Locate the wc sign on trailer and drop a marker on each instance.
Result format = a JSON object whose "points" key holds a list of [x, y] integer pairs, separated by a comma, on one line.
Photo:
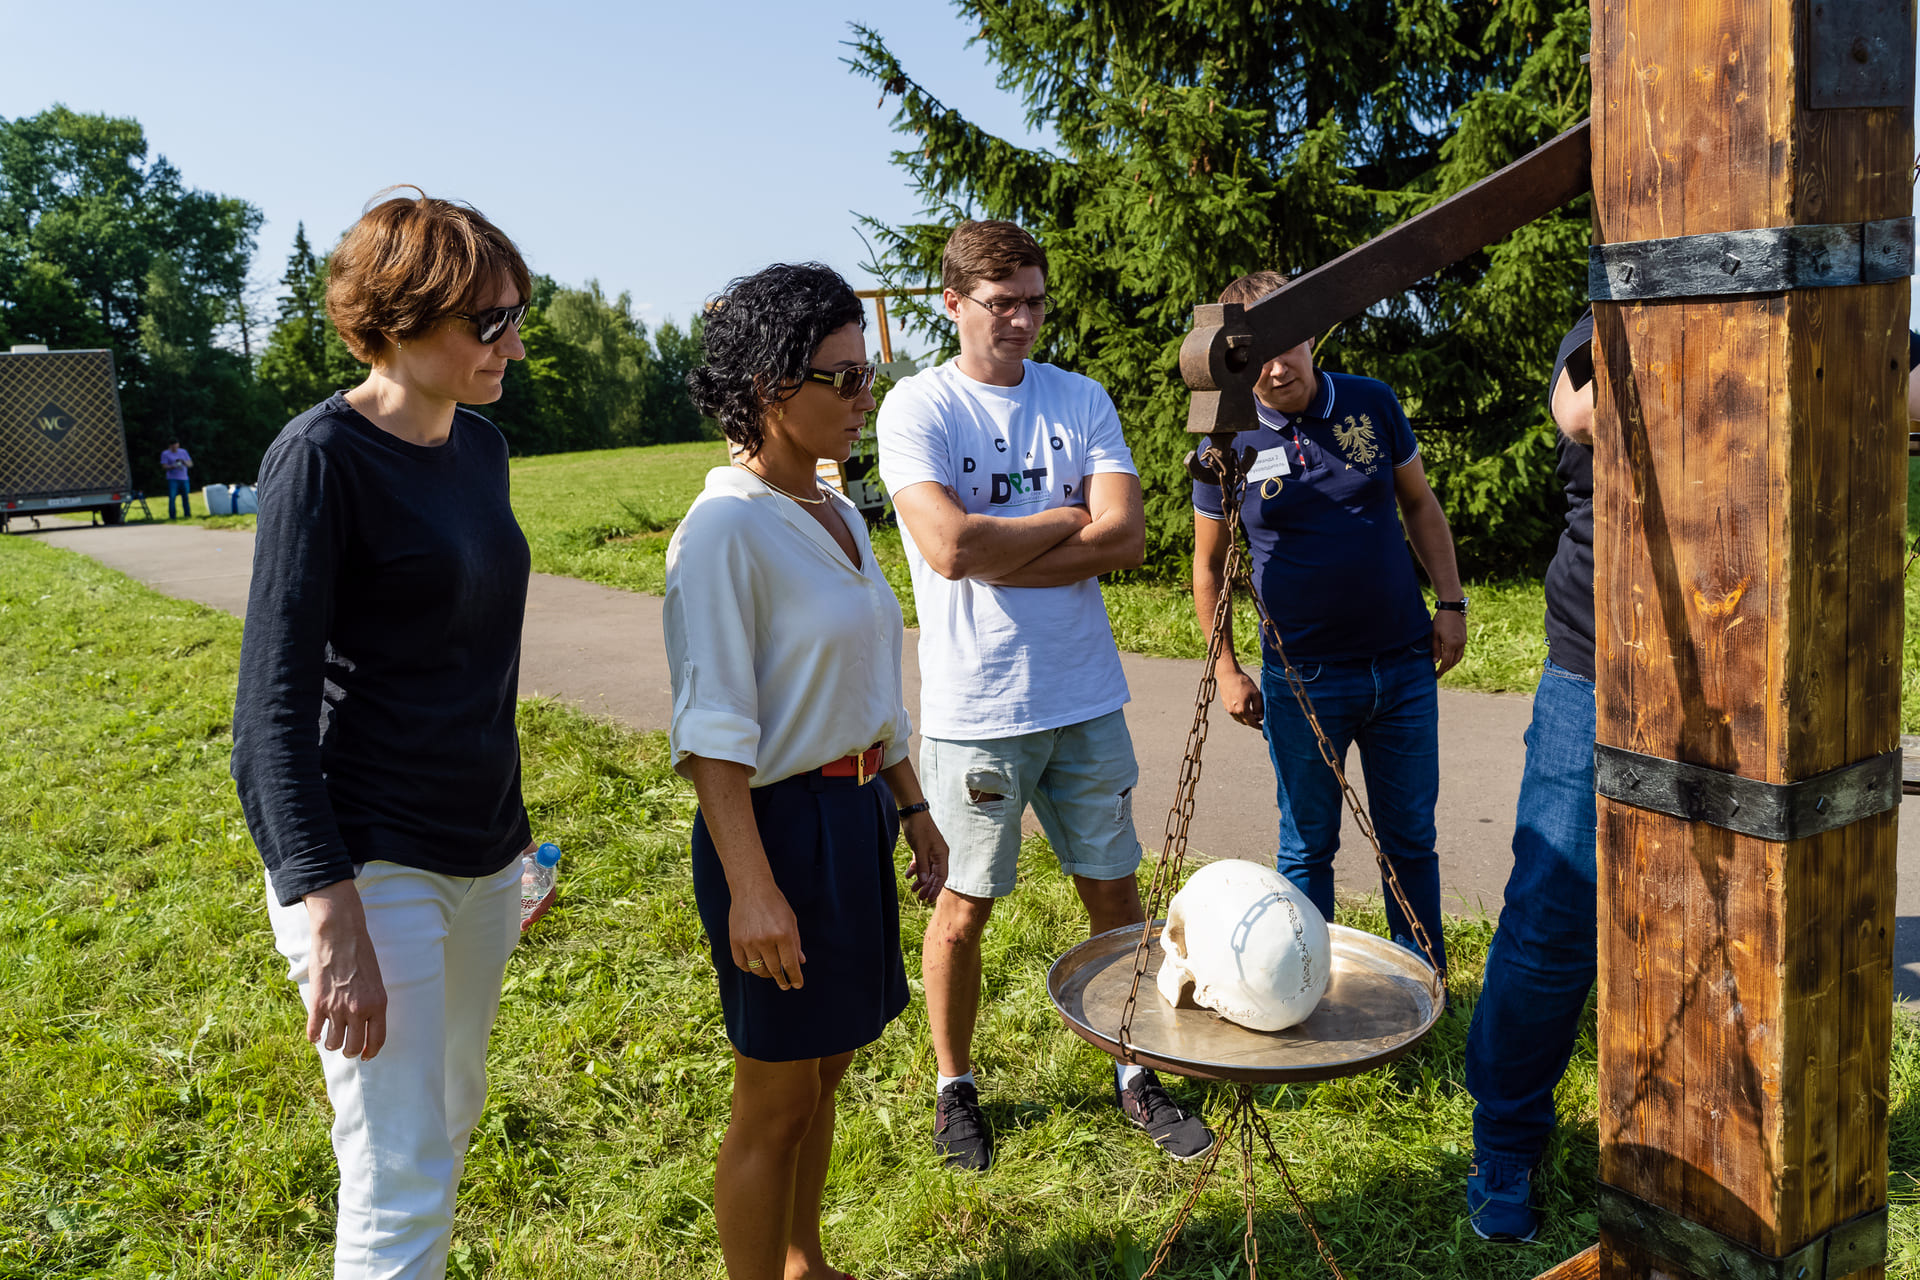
{"points": [[63, 449]]}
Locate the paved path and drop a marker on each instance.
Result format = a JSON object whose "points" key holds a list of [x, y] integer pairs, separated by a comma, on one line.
{"points": [[604, 649]]}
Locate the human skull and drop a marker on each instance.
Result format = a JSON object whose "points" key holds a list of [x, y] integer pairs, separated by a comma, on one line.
{"points": [[1247, 944]]}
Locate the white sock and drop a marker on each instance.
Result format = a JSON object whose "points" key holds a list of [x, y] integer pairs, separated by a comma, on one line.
{"points": [[943, 1081], [1127, 1072]]}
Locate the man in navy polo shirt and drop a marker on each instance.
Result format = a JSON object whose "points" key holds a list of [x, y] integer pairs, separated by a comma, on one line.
{"points": [[1336, 474]]}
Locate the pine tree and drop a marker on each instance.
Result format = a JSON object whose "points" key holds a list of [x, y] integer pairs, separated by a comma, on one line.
{"points": [[1202, 140], [304, 360]]}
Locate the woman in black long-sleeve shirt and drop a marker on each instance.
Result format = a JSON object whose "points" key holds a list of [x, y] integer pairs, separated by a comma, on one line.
{"points": [[374, 742]]}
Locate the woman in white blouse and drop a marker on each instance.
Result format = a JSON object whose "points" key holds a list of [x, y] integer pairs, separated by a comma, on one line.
{"points": [[783, 639]]}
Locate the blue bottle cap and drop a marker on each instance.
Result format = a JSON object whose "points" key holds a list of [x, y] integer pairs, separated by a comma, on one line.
{"points": [[548, 854]]}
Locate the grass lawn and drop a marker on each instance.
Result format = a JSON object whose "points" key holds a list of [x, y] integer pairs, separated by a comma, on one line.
{"points": [[606, 517], [165, 1117]]}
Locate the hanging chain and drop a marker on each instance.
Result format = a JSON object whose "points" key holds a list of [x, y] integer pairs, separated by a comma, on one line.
{"points": [[1332, 759], [1207, 1165], [1173, 850], [1244, 1122], [1256, 1124]]}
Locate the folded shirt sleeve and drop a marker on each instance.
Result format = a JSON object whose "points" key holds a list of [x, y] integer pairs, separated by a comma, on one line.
{"points": [[711, 614], [276, 715]]}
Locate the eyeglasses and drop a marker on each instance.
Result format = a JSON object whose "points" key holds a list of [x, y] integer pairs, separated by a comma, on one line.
{"points": [[1005, 307], [495, 321], [849, 382]]}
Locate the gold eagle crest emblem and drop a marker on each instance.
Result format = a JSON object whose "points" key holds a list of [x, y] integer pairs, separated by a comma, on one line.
{"points": [[1356, 439]]}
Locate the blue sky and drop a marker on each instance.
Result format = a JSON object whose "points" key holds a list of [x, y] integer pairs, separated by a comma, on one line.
{"points": [[661, 148]]}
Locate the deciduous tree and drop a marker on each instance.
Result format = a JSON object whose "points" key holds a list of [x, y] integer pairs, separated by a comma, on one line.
{"points": [[100, 246]]}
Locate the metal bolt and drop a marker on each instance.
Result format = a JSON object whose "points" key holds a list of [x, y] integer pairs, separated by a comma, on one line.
{"points": [[1820, 805], [1730, 263], [1726, 1266], [1626, 273]]}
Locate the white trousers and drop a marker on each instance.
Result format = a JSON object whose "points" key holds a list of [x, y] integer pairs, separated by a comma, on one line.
{"points": [[401, 1121]]}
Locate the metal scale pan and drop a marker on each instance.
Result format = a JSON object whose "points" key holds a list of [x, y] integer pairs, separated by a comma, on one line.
{"points": [[1381, 1001]]}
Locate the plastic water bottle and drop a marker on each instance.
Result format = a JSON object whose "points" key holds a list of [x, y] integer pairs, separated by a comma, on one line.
{"points": [[536, 883]]}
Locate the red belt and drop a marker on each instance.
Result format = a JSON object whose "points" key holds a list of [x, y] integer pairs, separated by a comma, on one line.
{"points": [[863, 766]]}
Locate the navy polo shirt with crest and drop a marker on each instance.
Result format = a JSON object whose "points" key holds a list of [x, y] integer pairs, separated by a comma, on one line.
{"points": [[1330, 560]]}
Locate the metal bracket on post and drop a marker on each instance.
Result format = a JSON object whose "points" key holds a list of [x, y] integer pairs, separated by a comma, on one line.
{"points": [[1768, 810], [1850, 1247], [1859, 54], [1763, 260]]}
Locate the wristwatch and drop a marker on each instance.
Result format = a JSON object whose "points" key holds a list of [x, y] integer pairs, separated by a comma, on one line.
{"points": [[907, 811], [1455, 606]]}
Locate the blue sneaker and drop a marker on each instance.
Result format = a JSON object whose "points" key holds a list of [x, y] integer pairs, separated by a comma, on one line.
{"points": [[1500, 1202]]}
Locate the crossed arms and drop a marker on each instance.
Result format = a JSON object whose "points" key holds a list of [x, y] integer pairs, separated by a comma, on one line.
{"points": [[1047, 549]]}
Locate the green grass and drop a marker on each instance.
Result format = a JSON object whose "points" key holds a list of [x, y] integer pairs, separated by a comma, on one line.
{"points": [[164, 1116], [606, 517]]}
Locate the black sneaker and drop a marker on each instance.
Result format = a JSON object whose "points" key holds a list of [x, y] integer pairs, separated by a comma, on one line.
{"points": [[1148, 1104], [960, 1132]]}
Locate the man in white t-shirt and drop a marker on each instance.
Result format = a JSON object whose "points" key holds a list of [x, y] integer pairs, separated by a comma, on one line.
{"points": [[1015, 491]]}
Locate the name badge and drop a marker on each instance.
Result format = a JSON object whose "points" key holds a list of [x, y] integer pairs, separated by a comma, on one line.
{"points": [[1268, 464]]}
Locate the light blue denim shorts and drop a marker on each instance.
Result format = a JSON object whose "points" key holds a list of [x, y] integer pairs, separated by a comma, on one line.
{"points": [[1079, 779]]}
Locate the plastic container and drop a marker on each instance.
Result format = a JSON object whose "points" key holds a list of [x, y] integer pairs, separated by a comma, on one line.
{"points": [[537, 873], [219, 499]]}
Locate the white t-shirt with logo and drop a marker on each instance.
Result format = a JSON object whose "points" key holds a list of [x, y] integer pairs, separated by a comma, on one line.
{"points": [[1000, 661]]}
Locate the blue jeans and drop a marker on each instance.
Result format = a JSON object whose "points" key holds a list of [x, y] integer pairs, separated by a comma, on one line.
{"points": [[186, 500], [1542, 961], [1389, 706]]}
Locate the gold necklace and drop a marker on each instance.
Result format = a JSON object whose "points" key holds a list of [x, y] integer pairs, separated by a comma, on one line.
{"points": [[811, 502]]}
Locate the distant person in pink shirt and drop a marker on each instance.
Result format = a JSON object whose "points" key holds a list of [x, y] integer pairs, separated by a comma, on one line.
{"points": [[176, 461]]}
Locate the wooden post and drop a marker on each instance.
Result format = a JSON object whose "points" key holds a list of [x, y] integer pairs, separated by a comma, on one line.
{"points": [[1749, 509], [886, 339]]}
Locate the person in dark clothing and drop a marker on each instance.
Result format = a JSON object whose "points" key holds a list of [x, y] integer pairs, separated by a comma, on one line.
{"points": [[1336, 496], [1542, 963], [373, 734]]}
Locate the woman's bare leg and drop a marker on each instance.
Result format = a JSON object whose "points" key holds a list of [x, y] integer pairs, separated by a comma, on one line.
{"points": [[775, 1105], [805, 1260]]}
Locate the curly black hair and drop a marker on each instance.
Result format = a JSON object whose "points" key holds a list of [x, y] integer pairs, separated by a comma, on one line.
{"points": [[760, 337]]}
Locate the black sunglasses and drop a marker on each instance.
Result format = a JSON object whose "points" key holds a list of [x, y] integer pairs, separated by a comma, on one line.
{"points": [[495, 321], [849, 382]]}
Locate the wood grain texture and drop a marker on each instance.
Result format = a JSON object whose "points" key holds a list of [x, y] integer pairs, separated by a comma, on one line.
{"points": [[1584, 1265], [1749, 508]]}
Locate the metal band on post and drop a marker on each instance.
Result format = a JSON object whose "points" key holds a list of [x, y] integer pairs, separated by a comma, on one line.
{"points": [[1850, 1247], [1763, 260], [1769, 810]]}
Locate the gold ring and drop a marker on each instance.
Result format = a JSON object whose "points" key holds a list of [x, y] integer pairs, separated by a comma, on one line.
{"points": [[1273, 492], [756, 964]]}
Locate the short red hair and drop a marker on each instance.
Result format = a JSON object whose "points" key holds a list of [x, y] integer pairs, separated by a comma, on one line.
{"points": [[409, 263]]}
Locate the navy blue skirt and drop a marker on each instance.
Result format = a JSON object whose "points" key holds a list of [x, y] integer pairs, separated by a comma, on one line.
{"points": [[829, 842]]}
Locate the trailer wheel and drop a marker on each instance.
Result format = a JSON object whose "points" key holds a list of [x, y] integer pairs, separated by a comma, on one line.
{"points": [[113, 514]]}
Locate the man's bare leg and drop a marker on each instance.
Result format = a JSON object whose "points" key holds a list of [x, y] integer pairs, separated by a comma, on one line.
{"points": [[1110, 903], [950, 970]]}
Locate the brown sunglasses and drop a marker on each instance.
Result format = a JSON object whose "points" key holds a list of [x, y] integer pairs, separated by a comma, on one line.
{"points": [[849, 382]]}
